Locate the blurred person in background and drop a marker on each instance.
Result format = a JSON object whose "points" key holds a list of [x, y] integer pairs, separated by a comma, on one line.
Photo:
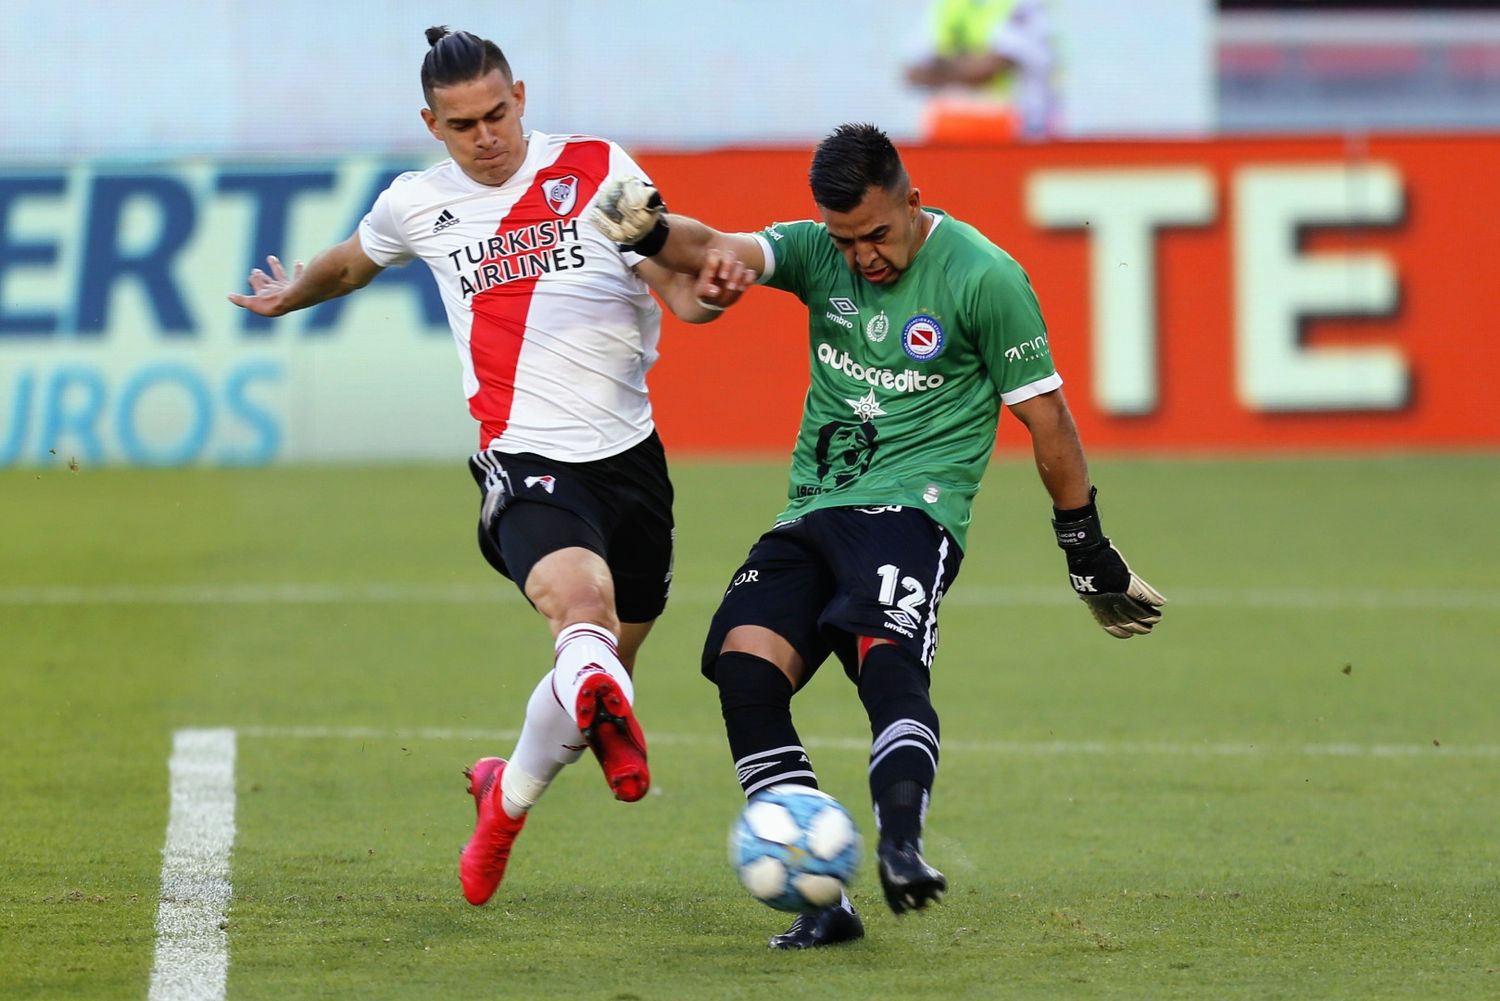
{"points": [[989, 70], [919, 330], [555, 328]]}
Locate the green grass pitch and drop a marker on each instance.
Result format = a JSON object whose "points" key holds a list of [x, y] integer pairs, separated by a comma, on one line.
{"points": [[1289, 792]]}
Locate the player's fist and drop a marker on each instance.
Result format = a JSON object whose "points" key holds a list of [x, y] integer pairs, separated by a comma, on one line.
{"points": [[721, 280], [630, 212]]}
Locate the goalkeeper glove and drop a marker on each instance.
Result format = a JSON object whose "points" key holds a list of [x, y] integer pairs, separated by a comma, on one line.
{"points": [[1122, 603], [630, 211]]}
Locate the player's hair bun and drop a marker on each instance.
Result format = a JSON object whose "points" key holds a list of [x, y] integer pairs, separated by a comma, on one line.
{"points": [[436, 33]]}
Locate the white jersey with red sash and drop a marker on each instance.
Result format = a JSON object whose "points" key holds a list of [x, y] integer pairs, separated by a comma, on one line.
{"points": [[555, 332]]}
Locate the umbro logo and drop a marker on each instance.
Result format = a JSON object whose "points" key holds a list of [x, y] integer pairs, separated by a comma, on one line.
{"points": [[444, 220], [902, 618], [545, 482], [845, 307]]}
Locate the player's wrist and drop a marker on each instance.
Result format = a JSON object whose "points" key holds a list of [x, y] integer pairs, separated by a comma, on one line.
{"points": [[651, 244], [1078, 529]]}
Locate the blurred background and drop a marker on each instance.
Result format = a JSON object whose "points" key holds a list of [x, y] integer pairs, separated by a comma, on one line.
{"points": [[1253, 225]]}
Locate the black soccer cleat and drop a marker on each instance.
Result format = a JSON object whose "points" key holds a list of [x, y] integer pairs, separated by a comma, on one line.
{"points": [[909, 882], [829, 926]]}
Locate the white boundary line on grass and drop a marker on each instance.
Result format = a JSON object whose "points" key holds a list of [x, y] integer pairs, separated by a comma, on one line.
{"points": [[192, 947], [1013, 748], [378, 593]]}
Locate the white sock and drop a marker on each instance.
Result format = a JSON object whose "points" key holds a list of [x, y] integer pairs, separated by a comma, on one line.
{"points": [[549, 740], [582, 647]]}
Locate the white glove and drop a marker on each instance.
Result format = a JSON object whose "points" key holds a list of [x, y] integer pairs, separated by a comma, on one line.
{"points": [[628, 210], [1122, 614], [1122, 602]]}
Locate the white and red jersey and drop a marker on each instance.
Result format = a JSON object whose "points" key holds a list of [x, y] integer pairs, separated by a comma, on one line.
{"points": [[555, 332]]}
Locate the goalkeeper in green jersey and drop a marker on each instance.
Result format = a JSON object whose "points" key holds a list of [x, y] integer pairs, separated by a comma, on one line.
{"points": [[919, 328]]}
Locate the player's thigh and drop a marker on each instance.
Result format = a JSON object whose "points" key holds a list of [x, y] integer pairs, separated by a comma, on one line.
{"points": [[892, 567], [641, 531], [529, 511], [782, 586], [527, 533]]}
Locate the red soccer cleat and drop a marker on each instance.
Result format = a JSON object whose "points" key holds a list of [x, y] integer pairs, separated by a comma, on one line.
{"points": [[609, 725], [481, 866]]}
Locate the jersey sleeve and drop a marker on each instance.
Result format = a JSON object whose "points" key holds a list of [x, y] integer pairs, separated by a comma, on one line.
{"points": [[1012, 334], [622, 164], [789, 250], [380, 233]]}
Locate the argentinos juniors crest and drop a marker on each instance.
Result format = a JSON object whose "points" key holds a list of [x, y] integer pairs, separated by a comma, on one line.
{"points": [[922, 337]]}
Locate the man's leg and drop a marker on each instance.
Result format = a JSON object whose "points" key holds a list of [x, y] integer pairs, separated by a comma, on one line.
{"points": [[587, 688], [573, 589], [893, 685], [757, 672], [893, 567]]}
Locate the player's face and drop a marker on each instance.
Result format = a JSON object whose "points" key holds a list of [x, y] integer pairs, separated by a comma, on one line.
{"points": [[479, 121], [879, 236]]}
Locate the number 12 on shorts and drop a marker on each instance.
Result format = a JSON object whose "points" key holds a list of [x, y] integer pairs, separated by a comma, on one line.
{"points": [[906, 611]]}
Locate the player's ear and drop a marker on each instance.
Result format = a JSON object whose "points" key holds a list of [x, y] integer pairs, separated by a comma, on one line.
{"points": [[518, 94], [430, 120], [914, 199]]}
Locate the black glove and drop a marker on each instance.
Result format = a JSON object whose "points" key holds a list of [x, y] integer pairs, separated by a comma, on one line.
{"points": [[1123, 603]]}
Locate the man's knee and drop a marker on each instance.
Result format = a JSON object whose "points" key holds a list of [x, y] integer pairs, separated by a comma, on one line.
{"points": [[762, 644], [573, 585], [746, 681]]}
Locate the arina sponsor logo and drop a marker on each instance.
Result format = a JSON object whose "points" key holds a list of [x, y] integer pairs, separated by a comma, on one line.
{"points": [[906, 381], [1027, 349]]}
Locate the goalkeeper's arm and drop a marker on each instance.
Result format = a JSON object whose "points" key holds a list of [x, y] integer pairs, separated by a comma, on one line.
{"points": [[1121, 601], [631, 212]]}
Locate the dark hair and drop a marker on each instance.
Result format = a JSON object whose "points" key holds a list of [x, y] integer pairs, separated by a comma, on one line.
{"points": [[458, 57], [850, 161]]}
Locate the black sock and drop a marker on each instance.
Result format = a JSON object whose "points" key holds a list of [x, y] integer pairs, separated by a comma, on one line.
{"points": [[893, 685], [756, 699]]}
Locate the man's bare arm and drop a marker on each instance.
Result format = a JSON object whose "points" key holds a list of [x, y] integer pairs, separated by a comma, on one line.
{"points": [[631, 212], [690, 242], [336, 271], [1120, 600], [1056, 448]]}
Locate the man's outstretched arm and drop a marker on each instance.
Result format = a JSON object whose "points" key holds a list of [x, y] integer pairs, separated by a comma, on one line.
{"points": [[1121, 601], [336, 271], [631, 212]]}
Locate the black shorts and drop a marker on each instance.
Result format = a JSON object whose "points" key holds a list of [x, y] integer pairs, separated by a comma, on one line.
{"points": [[619, 507], [837, 574]]}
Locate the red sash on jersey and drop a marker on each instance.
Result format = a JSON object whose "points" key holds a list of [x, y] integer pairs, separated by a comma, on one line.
{"points": [[500, 312]]}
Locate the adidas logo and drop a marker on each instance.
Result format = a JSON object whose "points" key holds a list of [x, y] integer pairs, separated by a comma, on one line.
{"points": [[444, 221]]}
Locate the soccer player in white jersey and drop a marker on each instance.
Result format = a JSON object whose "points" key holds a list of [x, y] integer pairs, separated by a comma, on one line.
{"points": [[555, 328]]}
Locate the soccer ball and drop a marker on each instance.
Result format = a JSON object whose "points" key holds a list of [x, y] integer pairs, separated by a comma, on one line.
{"points": [[795, 848]]}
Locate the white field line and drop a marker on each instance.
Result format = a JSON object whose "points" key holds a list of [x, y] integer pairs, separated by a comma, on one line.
{"points": [[192, 948], [295, 593], [1014, 748]]}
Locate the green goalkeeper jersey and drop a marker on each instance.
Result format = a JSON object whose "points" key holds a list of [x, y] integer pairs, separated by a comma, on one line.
{"points": [[907, 379]]}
